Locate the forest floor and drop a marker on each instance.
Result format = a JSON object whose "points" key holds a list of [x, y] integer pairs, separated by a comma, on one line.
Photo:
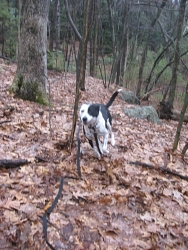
{"points": [[115, 204]]}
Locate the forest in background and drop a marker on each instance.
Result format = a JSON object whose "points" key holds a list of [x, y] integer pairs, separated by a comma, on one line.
{"points": [[133, 198], [130, 43]]}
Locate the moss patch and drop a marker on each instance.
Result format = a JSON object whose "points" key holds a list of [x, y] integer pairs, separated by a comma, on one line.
{"points": [[28, 90]]}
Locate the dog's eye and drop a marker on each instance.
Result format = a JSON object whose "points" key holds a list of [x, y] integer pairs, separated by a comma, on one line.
{"points": [[82, 111]]}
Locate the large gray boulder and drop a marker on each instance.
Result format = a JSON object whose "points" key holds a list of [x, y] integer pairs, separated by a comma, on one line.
{"points": [[129, 97], [146, 112]]}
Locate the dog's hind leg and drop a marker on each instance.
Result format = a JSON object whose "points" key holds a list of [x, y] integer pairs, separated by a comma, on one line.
{"points": [[111, 132], [91, 143], [97, 151], [112, 139], [105, 143]]}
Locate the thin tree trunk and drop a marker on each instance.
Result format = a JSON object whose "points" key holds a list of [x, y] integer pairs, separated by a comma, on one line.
{"points": [[178, 131], [94, 46], [154, 82], [82, 54], [144, 53], [173, 81], [53, 26], [118, 61], [124, 56], [19, 29], [111, 23], [81, 57], [58, 25]]}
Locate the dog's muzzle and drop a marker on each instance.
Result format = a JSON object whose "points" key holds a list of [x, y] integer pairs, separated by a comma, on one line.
{"points": [[84, 119]]}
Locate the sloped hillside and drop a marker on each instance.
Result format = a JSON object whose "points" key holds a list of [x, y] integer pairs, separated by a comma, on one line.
{"points": [[115, 204]]}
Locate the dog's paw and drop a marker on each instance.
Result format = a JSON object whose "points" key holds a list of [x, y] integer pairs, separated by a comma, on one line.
{"points": [[105, 150], [112, 140], [98, 155]]}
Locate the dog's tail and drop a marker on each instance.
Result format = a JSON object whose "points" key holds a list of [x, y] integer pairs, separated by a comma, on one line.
{"points": [[113, 98]]}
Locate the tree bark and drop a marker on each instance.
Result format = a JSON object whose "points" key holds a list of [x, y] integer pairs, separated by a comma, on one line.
{"points": [[31, 75]]}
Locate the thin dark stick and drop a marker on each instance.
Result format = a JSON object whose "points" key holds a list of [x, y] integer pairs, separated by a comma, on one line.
{"points": [[78, 153]]}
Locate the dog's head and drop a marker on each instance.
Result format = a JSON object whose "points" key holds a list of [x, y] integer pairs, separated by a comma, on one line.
{"points": [[89, 113]]}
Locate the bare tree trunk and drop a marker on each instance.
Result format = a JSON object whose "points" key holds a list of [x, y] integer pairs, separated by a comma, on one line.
{"points": [[58, 25], [173, 81], [82, 53], [160, 56], [31, 76], [178, 131], [19, 25], [145, 47], [81, 57], [154, 82], [125, 56], [120, 55], [94, 44], [91, 56], [111, 23], [53, 26]]}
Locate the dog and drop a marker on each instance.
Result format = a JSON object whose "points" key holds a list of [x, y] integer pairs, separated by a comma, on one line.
{"points": [[97, 120]]}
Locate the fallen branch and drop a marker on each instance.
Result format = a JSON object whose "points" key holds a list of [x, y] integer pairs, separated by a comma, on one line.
{"points": [[60, 232], [147, 95], [6, 58], [5, 121], [78, 153], [161, 169], [13, 163], [48, 212]]}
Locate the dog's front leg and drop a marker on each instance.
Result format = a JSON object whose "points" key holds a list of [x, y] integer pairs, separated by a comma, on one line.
{"points": [[97, 150]]}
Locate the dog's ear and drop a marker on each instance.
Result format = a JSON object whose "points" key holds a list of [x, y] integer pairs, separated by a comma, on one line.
{"points": [[93, 110]]}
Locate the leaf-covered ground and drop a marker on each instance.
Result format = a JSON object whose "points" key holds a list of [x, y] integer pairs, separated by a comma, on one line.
{"points": [[115, 205]]}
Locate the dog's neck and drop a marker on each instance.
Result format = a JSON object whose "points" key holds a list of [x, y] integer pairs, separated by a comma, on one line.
{"points": [[92, 126]]}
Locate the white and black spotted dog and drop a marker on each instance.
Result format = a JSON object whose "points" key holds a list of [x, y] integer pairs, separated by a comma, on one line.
{"points": [[97, 120]]}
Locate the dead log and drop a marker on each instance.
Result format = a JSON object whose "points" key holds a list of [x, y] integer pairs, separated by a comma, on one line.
{"points": [[166, 111], [4, 163], [176, 116]]}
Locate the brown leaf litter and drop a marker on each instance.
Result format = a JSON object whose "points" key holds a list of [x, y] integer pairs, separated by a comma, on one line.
{"points": [[115, 205]]}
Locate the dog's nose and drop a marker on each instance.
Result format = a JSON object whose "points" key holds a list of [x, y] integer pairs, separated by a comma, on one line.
{"points": [[84, 119]]}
